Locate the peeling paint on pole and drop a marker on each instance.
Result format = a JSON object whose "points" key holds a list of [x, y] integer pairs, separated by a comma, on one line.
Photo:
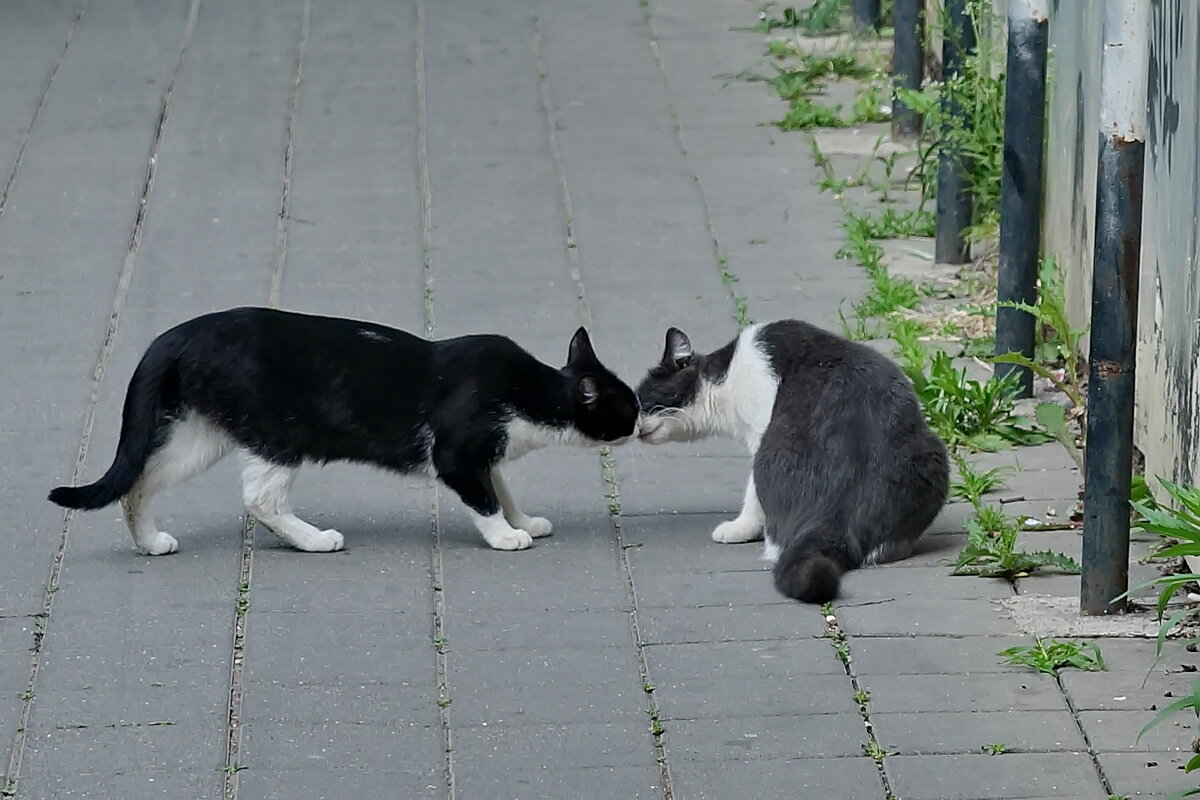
{"points": [[1116, 273], [1124, 68]]}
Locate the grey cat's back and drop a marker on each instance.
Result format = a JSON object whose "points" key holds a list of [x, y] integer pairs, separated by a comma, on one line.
{"points": [[848, 471]]}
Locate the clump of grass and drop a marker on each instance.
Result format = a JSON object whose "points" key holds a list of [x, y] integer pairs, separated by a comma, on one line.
{"points": [[805, 113], [965, 412], [1050, 655], [971, 485], [995, 749]]}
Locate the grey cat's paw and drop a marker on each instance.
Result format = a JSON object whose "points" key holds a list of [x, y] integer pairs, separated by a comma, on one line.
{"points": [[736, 532]]}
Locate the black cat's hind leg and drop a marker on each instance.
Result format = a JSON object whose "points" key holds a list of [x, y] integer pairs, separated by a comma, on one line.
{"points": [[265, 488], [192, 444], [536, 527]]}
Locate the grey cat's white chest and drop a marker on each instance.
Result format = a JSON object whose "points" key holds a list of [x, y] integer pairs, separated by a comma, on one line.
{"points": [[745, 399]]}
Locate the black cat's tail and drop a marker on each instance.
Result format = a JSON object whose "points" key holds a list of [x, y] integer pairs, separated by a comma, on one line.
{"points": [[141, 420], [809, 570]]}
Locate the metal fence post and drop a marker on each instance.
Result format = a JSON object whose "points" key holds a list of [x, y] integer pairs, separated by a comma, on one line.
{"points": [[955, 203], [1021, 182], [867, 15], [908, 62], [1124, 84]]}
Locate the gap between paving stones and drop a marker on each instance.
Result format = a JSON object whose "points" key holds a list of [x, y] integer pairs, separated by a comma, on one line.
{"points": [[607, 464], [237, 659], [37, 109], [742, 317], [118, 304], [435, 547]]}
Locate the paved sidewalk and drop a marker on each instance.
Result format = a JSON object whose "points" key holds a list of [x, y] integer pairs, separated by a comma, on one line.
{"points": [[454, 167]]}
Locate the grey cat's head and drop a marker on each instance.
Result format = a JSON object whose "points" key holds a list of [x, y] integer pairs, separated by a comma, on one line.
{"points": [[668, 394]]}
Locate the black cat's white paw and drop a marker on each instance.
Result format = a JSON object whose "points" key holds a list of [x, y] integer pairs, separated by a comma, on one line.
{"points": [[321, 542], [511, 540], [162, 544]]}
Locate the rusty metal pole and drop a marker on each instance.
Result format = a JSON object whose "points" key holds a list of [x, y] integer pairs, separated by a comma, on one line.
{"points": [[1021, 182], [908, 62], [1124, 82], [867, 14], [955, 203]]}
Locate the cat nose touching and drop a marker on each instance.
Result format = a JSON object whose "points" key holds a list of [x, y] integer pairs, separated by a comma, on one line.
{"points": [[649, 427]]}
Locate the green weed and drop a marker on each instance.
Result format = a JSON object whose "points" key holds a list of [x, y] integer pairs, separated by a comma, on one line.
{"points": [[965, 412], [1050, 655], [996, 749], [991, 549], [970, 486]]}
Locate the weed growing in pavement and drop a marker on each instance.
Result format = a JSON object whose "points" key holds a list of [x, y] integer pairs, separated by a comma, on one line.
{"points": [[1050, 655], [996, 749], [991, 551], [971, 485]]}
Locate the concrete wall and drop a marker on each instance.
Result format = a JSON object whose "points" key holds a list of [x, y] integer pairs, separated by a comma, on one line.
{"points": [[1168, 383]]}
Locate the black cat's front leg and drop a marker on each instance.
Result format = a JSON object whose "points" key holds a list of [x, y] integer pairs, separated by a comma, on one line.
{"points": [[534, 526], [475, 488]]}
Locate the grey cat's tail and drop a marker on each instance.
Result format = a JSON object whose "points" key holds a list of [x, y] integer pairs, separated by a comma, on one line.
{"points": [[141, 419], [803, 572]]}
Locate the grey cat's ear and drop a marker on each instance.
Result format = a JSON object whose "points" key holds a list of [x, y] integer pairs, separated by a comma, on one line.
{"points": [[581, 348], [679, 349], [589, 392]]}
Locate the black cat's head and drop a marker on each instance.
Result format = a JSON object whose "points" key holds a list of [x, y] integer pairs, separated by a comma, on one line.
{"points": [[669, 391], [604, 408]]}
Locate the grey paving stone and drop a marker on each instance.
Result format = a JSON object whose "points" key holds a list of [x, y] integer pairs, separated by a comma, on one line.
{"points": [[887, 583], [665, 543], [16, 641], [319, 646], [1117, 731], [334, 745], [978, 692], [572, 570], [1117, 690], [540, 629], [691, 680], [662, 480], [969, 731], [522, 752], [749, 586], [114, 748], [734, 623], [585, 684], [1143, 774], [765, 737], [554, 782], [167, 784], [1134, 655], [810, 777], [1005, 777], [922, 617], [406, 699], [925, 655], [333, 784]]}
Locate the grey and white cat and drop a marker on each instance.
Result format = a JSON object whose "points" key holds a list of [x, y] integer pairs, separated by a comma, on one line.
{"points": [[846, 472]]}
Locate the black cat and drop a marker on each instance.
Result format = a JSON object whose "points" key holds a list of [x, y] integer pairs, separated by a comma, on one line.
{"points": [[284, 388]]}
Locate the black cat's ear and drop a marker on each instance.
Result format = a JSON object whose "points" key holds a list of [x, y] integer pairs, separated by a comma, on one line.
{"points": [[679, 349], [581, 348], [588, 391]]}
